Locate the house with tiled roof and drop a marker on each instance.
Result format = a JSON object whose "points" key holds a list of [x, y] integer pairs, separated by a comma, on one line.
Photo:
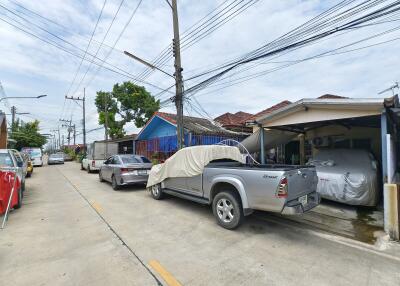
{"points": [[269, 110], [234, 121], [158, 138]]}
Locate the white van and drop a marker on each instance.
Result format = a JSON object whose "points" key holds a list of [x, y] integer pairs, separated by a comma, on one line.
{"points": [[36, 155]]}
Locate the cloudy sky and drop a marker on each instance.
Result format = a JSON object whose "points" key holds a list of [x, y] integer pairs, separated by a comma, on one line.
{"points": [[29, 66]]}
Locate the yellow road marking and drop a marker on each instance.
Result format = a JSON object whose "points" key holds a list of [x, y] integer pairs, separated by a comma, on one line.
{"points": [[97, 207], [168, 278]]}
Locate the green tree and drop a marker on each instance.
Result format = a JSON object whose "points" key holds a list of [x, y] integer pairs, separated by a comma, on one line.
{"points": [[107, 105], [27, 135], [136, 103], [128, 101]]}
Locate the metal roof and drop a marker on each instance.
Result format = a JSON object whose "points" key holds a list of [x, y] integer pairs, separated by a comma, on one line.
{"points": [[366, 103]]}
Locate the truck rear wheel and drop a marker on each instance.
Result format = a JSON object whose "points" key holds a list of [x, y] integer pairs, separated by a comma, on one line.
{"points": [[114, 183], [228, 210]]}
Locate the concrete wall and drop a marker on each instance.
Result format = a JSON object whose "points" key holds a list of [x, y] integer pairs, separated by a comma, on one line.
{"points": [[337, 131]]}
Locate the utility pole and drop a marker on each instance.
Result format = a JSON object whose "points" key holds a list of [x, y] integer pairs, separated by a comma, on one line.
{"points": [[74, 134], [69, 129], [59, 139], [58, 142], [83, 115], [176, 46], [84, 119], [106, 125], [13, 112]]}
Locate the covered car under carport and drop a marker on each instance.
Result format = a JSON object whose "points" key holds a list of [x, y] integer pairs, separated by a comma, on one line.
{"points": [[342, 122]]}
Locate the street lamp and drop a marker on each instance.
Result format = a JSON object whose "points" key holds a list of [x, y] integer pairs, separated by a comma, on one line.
{"points": [[16, 97], [146, 63]]}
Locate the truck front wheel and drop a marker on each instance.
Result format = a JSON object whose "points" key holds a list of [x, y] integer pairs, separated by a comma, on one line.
{"points": [[156, 192], [228, 210]]}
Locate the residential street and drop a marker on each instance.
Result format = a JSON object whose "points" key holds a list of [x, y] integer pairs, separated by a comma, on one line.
{"points": [[74, 230]]}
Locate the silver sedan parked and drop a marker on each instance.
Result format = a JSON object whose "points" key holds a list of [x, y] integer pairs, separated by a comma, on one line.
{"points": [[57, 158], [125, 169]]}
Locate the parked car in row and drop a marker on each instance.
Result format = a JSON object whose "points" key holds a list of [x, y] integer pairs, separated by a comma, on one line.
{"points": [[97, 153], [125, 169], [67, 157], [36, 155], [11, 160], [217, 175], [347, 176], [57, 158], [27, 159]]}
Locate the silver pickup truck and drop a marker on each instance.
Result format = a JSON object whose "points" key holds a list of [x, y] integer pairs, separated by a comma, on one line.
{"points": [[234, 190]]}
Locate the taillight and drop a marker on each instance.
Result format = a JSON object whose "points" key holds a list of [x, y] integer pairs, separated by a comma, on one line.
{"points": [[282, 188], [93, 163], [126, 170]]}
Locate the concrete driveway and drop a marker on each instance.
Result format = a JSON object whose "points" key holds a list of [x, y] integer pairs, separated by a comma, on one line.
{"points": [[74, 230]]}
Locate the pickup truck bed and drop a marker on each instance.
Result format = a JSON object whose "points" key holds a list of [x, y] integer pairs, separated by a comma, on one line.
{"points": [[235, 189]]}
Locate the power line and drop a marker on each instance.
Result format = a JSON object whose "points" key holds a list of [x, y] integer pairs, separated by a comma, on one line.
{"points": [[87, 48], [189, 34], [294, 62], [109, 66], [115, 43], [300, 43], [100, 46], [51, 21]]}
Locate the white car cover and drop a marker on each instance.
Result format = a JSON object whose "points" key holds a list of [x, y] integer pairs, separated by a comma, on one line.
{"points": [[348, 176], [190, 162]]}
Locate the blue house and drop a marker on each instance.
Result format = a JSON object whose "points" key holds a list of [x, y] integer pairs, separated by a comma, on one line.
{"points": [[158, 137]]}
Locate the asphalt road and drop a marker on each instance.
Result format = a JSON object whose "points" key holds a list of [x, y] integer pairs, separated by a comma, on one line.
{"points": [[74, 230]]}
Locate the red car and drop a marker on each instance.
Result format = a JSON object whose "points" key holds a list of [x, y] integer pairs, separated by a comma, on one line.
{"points": [[6, 184]]}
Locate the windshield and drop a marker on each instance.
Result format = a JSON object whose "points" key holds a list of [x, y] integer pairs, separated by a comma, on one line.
{"points": [[35, 153], [56, 156], [131, 159], [145, 160], [5, 160]]}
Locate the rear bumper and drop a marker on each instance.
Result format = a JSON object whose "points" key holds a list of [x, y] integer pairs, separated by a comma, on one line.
{"points": [[294, 207], [55, 162], [126, 179]]}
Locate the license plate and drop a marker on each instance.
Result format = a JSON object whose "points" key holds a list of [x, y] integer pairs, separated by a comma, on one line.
{"points": [[303, 200], [142, 172]]}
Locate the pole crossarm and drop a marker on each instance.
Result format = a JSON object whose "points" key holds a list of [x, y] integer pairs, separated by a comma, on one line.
{"points": [[83, 99]]}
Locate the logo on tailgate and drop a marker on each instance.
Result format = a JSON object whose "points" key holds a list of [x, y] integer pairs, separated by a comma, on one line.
{"points": [[269, 177]]}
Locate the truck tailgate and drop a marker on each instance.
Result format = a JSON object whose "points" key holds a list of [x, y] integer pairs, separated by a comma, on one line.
{"points": [[301, 182]]}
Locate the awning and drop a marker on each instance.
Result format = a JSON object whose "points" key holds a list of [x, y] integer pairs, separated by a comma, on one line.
{"points": [[272, 138]]}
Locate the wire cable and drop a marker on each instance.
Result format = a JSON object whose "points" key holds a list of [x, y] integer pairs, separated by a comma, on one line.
{"points": [[87, 48]]}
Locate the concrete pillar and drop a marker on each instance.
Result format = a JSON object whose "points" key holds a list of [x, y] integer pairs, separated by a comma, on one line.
{"points": [[391, 204], [262, 153], [384, 146], [302, 150]]}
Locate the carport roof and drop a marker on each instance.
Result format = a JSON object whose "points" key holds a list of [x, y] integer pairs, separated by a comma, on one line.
{"points": [[332, 108]]}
